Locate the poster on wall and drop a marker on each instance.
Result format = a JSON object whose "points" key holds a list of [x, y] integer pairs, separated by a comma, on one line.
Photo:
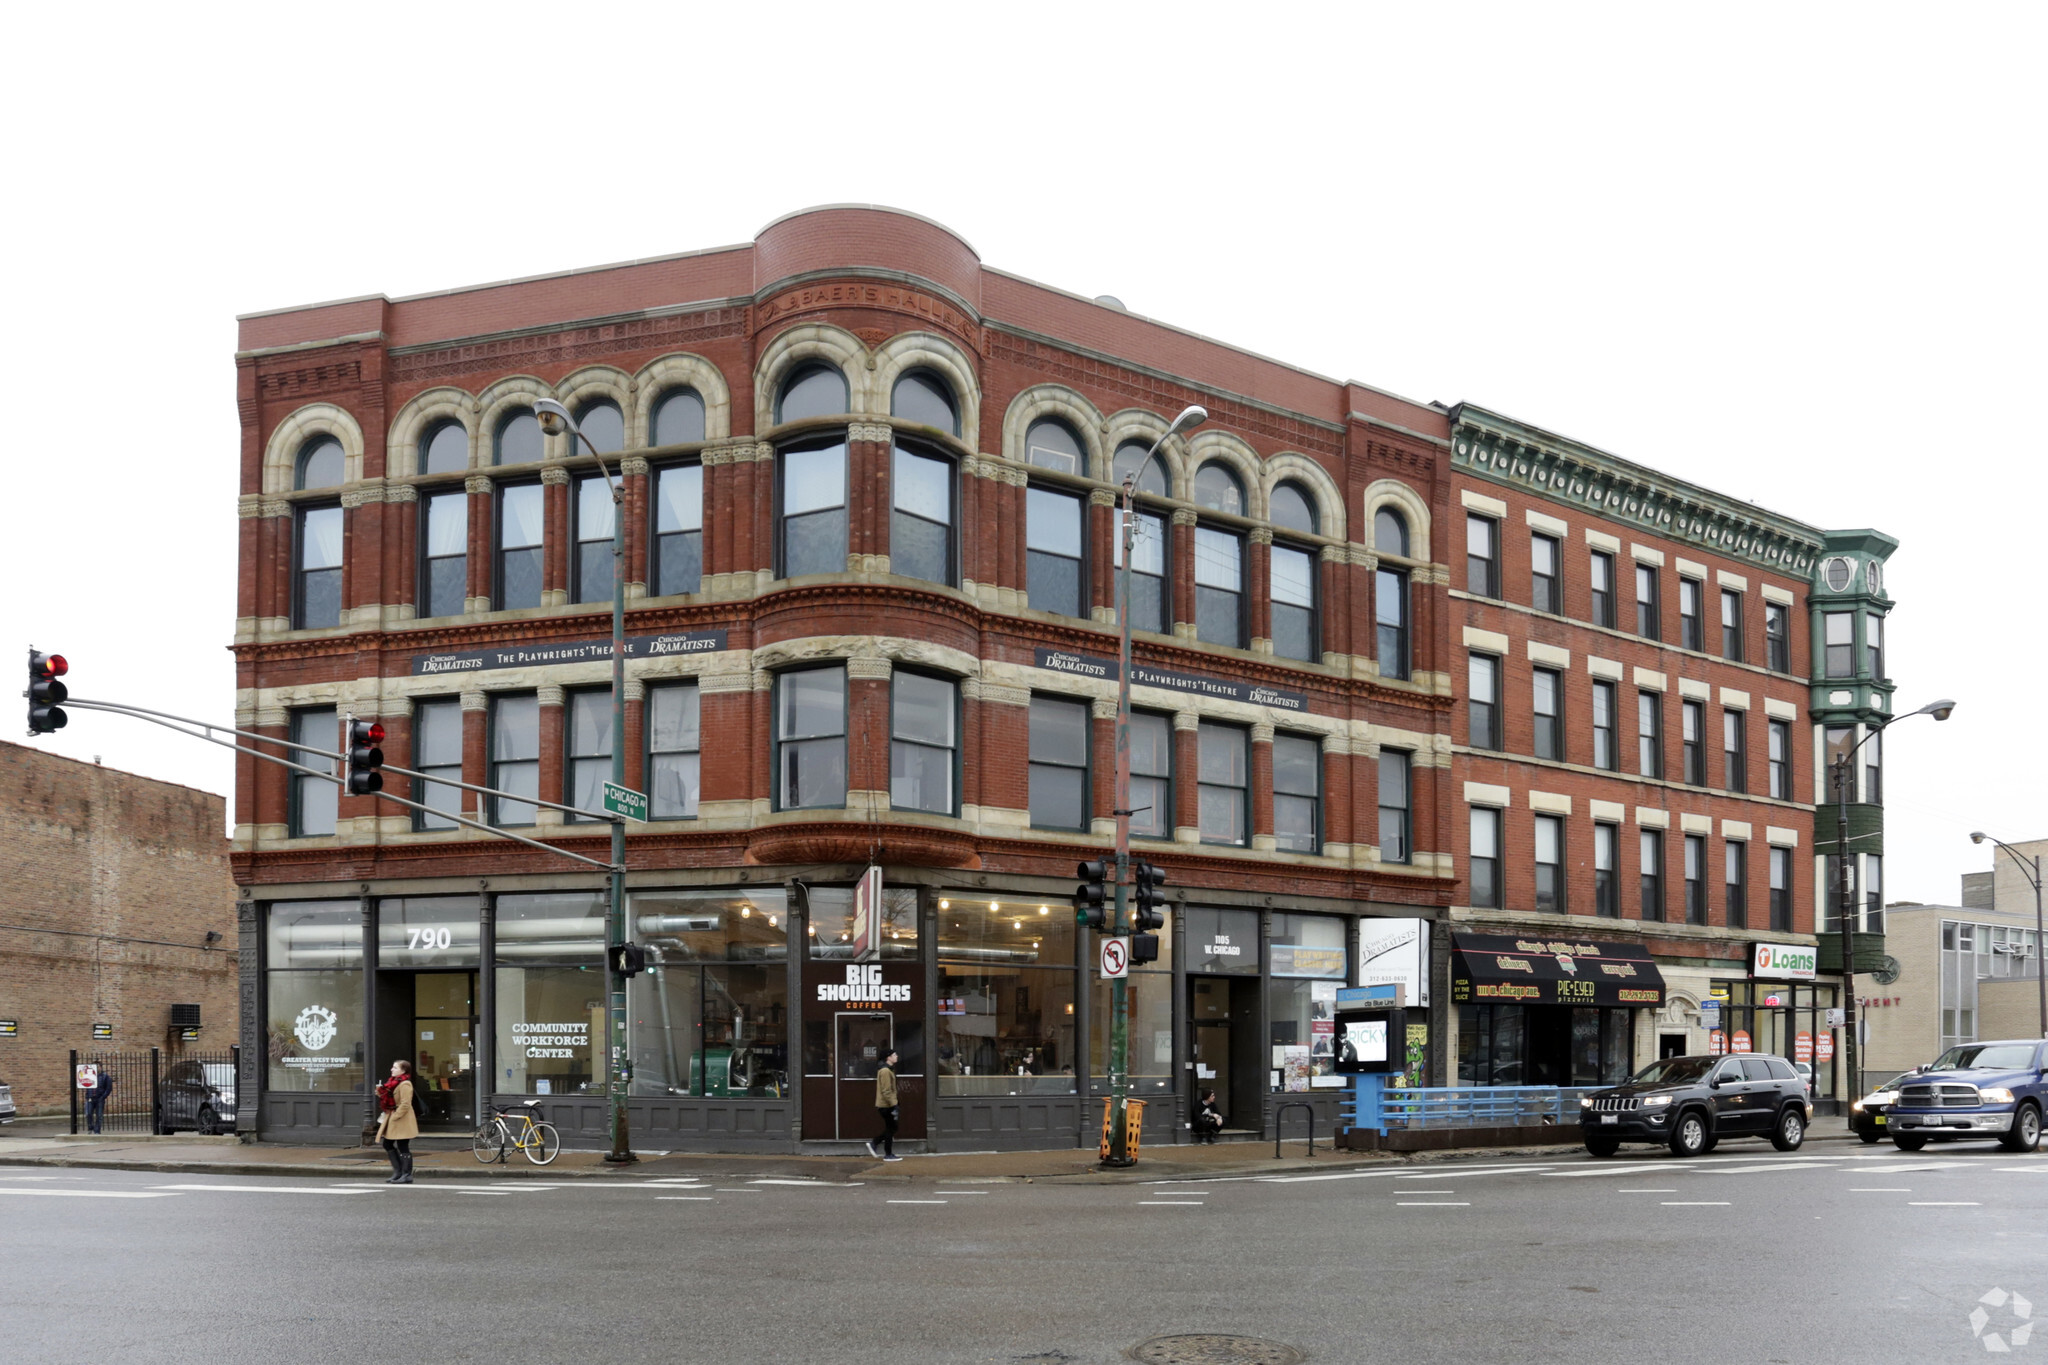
{"points": [[1296, 1066], [1395, 952], [867, 914], [1322, 1036]]}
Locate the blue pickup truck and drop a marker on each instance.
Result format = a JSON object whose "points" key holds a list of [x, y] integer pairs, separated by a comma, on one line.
{"points": [[1977, 1090]]}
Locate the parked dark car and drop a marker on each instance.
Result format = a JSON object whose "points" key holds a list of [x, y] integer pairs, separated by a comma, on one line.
{"points": [[199, 1096], [1690, 1103], [1976, 1090]]}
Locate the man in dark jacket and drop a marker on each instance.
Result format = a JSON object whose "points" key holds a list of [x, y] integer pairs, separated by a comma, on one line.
{"points": [[885, 1105], [96, 1100]]}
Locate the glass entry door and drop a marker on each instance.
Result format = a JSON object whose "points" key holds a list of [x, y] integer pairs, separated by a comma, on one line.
{"points": [[861, 1041], [444, 1020]]}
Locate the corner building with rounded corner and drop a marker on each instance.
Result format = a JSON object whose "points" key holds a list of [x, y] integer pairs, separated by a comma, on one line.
{"points": [[869, 570]]}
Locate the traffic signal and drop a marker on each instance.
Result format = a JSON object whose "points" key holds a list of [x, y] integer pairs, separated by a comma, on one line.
{"points": [[629, 959], [1088, 896], [365, 759], [1150, 901], [45, 692]]}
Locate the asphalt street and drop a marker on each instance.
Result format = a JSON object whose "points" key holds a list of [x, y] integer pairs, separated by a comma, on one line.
{"points": [[1838, 1253]]}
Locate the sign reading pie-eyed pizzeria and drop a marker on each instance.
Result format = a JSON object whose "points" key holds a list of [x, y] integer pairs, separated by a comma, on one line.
{"points": [[1511, 970]]}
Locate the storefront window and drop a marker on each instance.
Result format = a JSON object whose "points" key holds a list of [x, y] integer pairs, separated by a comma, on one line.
{"points": [[1308, 965], [567, 928], [428, 933], [1027, 931], [1786, 1019], [550, 992], [835, 934], [1225, 941], [1149, 998], [1544, 1045], [1006, 1030], [710, 1015], [313, 1023]]}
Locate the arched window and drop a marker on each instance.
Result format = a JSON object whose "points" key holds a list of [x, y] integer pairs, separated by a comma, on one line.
{"points": [[1218, 489], [445, 448], [1126, 459], [1052, 444], [603, 426], [321, 464], [678, 418], [1293, 509], [921, 396], [1390, 532], [517, 440], [813, 391]]}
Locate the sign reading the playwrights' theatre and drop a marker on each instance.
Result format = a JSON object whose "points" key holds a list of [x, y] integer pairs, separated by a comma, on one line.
{"points": [[540, 653], [1144, 675]]}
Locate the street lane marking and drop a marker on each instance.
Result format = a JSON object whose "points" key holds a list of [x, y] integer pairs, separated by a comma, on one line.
{"points": [[1916, 1166], [1942, 1204], [684, 1199], [1169, 1203], [917, 1201], [723, 1190], [2023, 1170], [1438, 1204], [1646, 1191], [95, 1194], [1421, 1191], [271, 1189], [1755, 1170], [1694, 1203], [1879, 1189], [493, 1194], [1389, 1175], [813, 1184], [985, 1191]]}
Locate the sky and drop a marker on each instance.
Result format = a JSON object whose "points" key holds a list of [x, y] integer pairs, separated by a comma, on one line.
{"points": [[1792, 253]]}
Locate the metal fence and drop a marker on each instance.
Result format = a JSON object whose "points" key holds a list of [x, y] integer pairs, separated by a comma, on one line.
{"points": [[1469, 1106], [149, 1092]]}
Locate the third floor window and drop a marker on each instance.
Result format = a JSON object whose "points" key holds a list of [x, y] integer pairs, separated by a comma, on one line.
{"points": [[591, 560], [1053, 563], [1778, 637], [521, 517], [1544, 591], [444, 553], [921, 520], [1647, 607], [1482, 556], [1219, 587], [814, 515], [678, 530]]}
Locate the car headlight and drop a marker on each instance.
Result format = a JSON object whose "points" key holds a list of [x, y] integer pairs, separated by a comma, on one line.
{"points": [[1857, 1107], [1997, 1094], [1656, 1101], [1585, 1101]]}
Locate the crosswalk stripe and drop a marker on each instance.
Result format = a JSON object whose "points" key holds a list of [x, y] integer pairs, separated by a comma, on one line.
{"points": [[95, 1194], [270, 1189]]}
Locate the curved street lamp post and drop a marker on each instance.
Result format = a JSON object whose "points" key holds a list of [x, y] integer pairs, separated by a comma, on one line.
{"points": [[2030, 868]]}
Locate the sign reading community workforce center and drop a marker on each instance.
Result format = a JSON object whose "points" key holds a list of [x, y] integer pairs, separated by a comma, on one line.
{"points": [[567, 652]]}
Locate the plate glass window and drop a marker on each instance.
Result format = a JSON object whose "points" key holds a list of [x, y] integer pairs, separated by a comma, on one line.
{"points": [[1547, 702], [1149, 597], [1606, 746], [1550, 897], [1219, 587], [1651, 843], [1650, 734], [1151, 776], [314, 799], [1053, 563], [1051, 444], [314, 988], [1693, 740], [1731, 625], [1606, 864], [1646, 603], [1689, 613], [589, 735], [1294, 603], [1601, 576], [1544, 594], [814, 508], [1695, 879], [921, 519], [521, 518], [592, 557], [1781, 760], [1734, 751], [518, 438], [1873, 768], [679, 530], [1486, 888], [1482, 556], [1297, 793], [678, 419], [444, 553], [1224, 783], [1873, 646], [1836, 742], [445, 449], [810, 739], [1778, 637], [1735, 876], [674, 750], [1840, 628], [1781, 890], [319, 568], [921, 396], [1059, 764], [1396, 826], [437, 752], [515, 757], [1483, 700], [924, 742], [1873, 901]]}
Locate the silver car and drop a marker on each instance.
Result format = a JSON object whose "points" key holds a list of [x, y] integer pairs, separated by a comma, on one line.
{"points": [[6, 1103]]}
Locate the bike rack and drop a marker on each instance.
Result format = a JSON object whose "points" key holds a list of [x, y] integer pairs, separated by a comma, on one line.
{"points": [[1295, 1104]]}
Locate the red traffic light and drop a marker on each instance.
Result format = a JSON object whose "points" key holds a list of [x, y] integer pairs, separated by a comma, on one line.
{"points": [[53, 665], [375, 734]]}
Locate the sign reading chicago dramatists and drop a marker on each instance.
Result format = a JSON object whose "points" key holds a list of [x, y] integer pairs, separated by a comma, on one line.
{"points": [[568, 652], [1395, 952], [1144, 675]]}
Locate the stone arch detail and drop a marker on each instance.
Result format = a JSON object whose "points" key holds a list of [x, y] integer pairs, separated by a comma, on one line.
{"points": [[819, 341], [1055, 400], [402, 453], [908, 351], [1410, 504], [667, 372], [289, 437], [513, 391], [1329, 499], [582, 385], [1224, 448], [1136, 424]]}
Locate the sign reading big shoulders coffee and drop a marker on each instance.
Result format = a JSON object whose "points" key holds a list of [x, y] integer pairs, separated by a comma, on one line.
{"points": [[1512, 970], [570, 652], [1144, 675], [1783, 962]]}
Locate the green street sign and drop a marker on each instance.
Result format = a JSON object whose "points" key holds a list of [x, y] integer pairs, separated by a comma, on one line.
{"points": [[625, 801]]}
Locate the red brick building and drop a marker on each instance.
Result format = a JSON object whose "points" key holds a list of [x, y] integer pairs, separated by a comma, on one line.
{"points": [[868, 487]]}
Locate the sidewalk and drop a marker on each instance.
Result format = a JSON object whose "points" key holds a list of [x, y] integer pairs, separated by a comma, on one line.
{"points": [[451, 1159]]}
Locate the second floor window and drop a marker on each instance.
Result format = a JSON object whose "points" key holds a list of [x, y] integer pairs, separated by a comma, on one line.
{"points": [[317, 591], [921, 520], [1693, 719], [1781, 760], [588, 732], [592, 558], [1652, 844], [521, 516], [1544, 592], [1873, 768], [1294, 604], [1602, 580], [1840, 628], [1483, 701], [674, 750], [1735, 878], [1606, 744], [679, 530], [1395, 825], [1646, 603], [1151, 776], [1297, 793], [444, 553], [1731, 625], [1734, 751], [1390, 617], [1778, 637], [314, 800], [810, 739], [1486, 887], [1606, 890], [1224, 784], [1150, 600], [1873, 646], [1840, 772], [1550, 898], [1695, 879], [515, 757], [1689, 613], [1781, 890], [437, 752], [924, 743], [1219, 587], [1059, 763], [1649, 734], [1482, 556], [1053, 563], [814, 509], [1547, 709]]}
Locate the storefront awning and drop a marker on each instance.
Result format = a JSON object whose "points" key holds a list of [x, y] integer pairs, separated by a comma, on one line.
{"points": [[1513, 970]]}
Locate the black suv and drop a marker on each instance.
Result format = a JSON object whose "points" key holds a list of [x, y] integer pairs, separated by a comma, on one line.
{"points": [[1691, 1103]]}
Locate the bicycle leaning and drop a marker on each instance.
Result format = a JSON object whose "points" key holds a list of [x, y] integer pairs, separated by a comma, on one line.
{"points": [[517, 1128]]}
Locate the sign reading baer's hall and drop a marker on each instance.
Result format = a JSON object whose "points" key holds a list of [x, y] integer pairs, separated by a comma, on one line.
{"points": [[1143, 675], [568, 652]]}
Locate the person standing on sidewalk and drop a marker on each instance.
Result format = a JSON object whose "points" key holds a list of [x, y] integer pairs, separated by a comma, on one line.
{"points": [[885, 1105], [96, 1099], [397, 1125]]}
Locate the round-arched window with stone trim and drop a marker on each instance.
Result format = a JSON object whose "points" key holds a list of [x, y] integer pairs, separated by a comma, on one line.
{"points": [[678, 418], [1293, 509], [812, 391], [1390, 532], [445, 448], [603, 426], [921, 396], [1126, 459], [1051, 444], [517, 439], [1218, 488], [321, 464]]}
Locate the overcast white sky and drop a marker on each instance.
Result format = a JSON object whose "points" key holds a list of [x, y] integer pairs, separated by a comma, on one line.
{"points": [[1793, 253]]}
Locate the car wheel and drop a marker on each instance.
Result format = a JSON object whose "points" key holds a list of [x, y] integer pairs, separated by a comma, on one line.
{"points": [[1689, 1134], [1790, 1134], [2025, 1133], [1713, 1141], [1870, 1138], [1908, 1142], [1602, 1147], [208, 1124]]}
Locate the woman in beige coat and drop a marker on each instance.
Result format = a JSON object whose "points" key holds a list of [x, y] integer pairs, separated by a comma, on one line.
{"points": [[397, 1126]]}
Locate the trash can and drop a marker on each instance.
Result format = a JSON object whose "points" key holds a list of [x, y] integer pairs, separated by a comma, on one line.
{"points": [[1134, 1121]]}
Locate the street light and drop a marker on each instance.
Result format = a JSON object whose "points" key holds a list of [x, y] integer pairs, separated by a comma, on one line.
{"points": [[554, 420], [1844, 769], [2040, 934], [1190, 417]]}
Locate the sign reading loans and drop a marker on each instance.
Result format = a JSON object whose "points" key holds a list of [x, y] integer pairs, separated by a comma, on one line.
{"points": [[1783, 962], [1143, 675], [571, 652]]}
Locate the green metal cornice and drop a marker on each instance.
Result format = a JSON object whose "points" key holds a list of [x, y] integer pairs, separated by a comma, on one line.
{"points": [[1503, 450]]}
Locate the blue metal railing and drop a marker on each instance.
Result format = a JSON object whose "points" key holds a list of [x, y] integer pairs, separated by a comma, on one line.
{"points": [[1462, 1106]]}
